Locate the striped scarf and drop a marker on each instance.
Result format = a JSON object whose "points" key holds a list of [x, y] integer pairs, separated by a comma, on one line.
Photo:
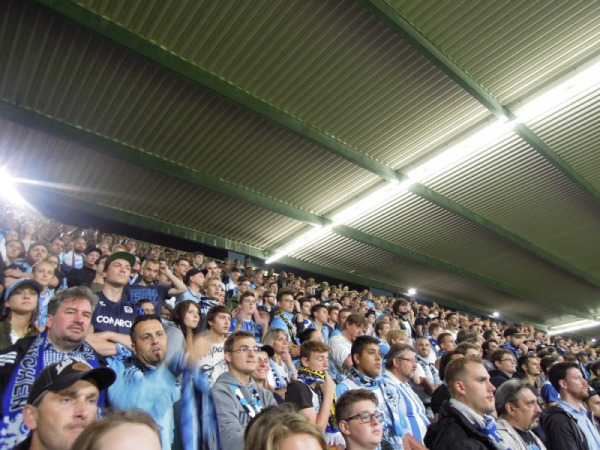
{"points": [[288, 324]]}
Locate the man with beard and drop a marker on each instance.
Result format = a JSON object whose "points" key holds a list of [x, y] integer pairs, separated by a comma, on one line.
{"points": [[519, 412], [566, 425], [75, 259], [147, 289], [145, 383], [86, 274]]}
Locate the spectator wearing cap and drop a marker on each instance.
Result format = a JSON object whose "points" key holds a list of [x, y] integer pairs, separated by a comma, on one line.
{"points": [[114, 315], [62, 402], [147, 288], [194, 281], [68, 325], [86, 274], [519, 413], [21, 305], [514, 342], [75, 259], [583, 358]]}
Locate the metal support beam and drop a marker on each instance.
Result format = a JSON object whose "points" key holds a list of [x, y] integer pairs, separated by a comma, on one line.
{"points": [[442, 265], [400, 25], [126, 217], [385, 12]]}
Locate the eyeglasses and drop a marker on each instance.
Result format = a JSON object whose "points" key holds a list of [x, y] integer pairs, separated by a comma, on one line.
{"points": [[511, 360], [286, 301], [246, 349], [365, 417], [409, 360]]}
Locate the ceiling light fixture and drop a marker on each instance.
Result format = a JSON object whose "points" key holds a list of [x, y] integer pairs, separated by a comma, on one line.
{"points": [[573, 326], [579, 82], [8, 188]]}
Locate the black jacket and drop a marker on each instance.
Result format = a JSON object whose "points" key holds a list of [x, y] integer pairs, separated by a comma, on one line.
{"points": [[497, 377], [562, 431], [454, 432]]}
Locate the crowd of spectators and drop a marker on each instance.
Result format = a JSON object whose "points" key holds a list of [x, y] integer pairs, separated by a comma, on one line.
{"points": [[103, 337]]}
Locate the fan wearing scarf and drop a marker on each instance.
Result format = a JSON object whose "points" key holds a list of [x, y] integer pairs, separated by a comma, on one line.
{"points": [[465, 421], [365, 374], [67, 326], [237, 398], [285, 319], [314, 391]]}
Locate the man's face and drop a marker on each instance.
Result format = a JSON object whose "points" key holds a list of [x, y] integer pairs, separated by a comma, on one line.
{"points": [[71, 323], [492, 347], [150, 342], [198, 260], [514, 340], [322, 315], [423, 347], [130, 245], [212, 268], [407, 364], [248, 305], [507, 364], [79, 245], [62, 415], [243, 358], [213, 289], [117, 273], [91, 258], [244, 286], [334, 315], [424, 311], [150, 272], [369, 361], [448, 344], [57, 246], [37, 253], [269, 299], [476, 388], [198, 279], [355, 330], [526, 412], [43, 273], [453, 320], [533, 367], [286, 303], [181, 268], [317, 361], [305, 308], [342, 318], [575, 384], [148, 308], [221, 324], [365, 435]]}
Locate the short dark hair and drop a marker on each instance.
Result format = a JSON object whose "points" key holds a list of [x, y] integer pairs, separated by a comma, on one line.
{"points": [[282, 292], [361, 343], [214, 312], [509, 392], [316, 308], [499, 354], [244, 295], [178, 315], [234, 337], [344, 404], [140, 319], [309, 347], [442, 337], [356, 319], [546, 362], [559, 372]]}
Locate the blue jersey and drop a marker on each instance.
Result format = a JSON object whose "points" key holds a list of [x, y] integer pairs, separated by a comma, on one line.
{"points": [[111, 316]]}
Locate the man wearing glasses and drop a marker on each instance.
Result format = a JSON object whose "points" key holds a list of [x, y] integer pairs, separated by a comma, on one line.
{"points": [[400, 365], [359, 419], [505, 364], [237, 398]]}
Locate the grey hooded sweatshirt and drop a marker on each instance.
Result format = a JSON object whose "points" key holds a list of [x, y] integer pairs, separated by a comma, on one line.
{"points": [[232, 416]]}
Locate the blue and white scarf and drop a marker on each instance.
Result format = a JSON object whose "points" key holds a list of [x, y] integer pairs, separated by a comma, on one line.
{"points": [[485, 424], [256, 406], [14, 397], [360, 379], [280, 381]]}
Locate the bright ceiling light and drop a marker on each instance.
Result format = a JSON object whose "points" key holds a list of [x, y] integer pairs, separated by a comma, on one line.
{"points": [[8, 188], [573, 326], [412, 291], [301, 241], [578, 83], [496, 314]]}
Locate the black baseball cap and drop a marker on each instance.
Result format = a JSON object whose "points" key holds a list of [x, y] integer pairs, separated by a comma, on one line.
{"points": [[67, 372], [130, 258]]}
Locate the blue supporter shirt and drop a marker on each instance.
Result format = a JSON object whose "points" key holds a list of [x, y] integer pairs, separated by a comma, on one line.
{"points": [[248, 325], [110, 316], [156, 293]]}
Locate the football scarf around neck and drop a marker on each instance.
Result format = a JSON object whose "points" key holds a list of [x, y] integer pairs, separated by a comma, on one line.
{"points": [[288, 324], [14, 397], [280, 382], [256, 406]]}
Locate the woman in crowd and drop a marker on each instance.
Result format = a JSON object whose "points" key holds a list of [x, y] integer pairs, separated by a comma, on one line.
{"points": [[185, 323], [21, 307], [282, 367]]}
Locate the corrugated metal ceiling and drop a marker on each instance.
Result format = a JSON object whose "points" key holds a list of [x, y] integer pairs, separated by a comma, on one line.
{"points": [[320, 101]]}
